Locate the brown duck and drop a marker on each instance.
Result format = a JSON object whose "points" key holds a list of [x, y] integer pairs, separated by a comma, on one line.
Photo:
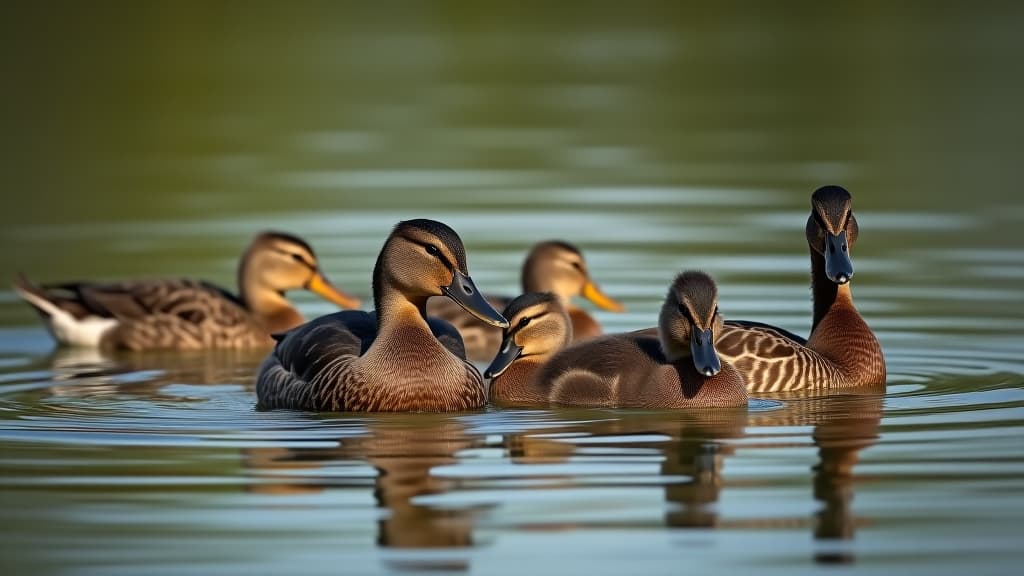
{"points": [[842, 351], [553, 266], [393, 359], [188, 314], [679, 368], [538, 327]]}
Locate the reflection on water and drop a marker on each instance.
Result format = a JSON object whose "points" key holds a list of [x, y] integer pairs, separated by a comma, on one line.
{"points": [[401, 454], [110, 438]]}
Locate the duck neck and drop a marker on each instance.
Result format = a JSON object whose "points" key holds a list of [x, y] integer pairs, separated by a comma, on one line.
{"points": [[399, 317], [824, 292], [840, 334], [269, 307]]}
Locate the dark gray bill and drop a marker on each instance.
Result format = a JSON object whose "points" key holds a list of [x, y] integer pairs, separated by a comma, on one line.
{"points": [[838, 266], [702, 347], [506, 355], [464, 293]]}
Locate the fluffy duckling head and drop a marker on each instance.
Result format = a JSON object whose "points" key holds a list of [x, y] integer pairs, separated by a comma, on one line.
{"points": [[690, 323], [538, 327]]}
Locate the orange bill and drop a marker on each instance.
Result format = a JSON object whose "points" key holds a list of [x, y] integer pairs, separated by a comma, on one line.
{"points": [[323, 288], [593, 293]]}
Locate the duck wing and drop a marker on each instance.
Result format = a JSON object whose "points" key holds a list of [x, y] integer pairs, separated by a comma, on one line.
{"points": [[761, 327], [310, 354], [774, 360]]}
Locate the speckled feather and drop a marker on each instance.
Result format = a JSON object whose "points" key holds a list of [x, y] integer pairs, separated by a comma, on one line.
{"points": [[153, 314], [392, 360], [322, 366]]}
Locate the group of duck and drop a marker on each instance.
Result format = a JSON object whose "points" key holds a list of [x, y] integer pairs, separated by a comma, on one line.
{"points": [[414, 352]]}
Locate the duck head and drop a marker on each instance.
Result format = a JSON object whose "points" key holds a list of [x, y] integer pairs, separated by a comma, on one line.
{"points": [[832, 231], [277, 262], [538, 326], [424, 258], [558, 267], [690, 323]]}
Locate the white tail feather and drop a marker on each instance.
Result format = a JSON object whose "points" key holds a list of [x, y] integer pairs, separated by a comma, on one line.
{"points": [[64, 327]]}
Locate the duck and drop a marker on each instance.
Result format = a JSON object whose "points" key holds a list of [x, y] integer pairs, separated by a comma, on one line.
{"points": [[185, 313], [677, 368], [395, 358], [554, 266], [841, 352], [538, 327]]}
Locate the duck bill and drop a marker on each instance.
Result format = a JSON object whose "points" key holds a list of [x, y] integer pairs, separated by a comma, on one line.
{"points": [[507, 354], [323, 288], [600, 299], [465, 294], [702, 348], [838, 265]]}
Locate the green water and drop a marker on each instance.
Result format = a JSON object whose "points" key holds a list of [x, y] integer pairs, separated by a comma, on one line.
{"points": [[153, 139]]}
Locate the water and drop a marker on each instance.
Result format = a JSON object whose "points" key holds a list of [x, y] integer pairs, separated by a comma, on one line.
{"points": [[656, 139]]}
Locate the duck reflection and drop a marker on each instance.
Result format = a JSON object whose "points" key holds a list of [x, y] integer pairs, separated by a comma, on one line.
{"points": [[694, 450], [843, 427], [698, 445], [91, 372], [402, 449], [840, 441]]}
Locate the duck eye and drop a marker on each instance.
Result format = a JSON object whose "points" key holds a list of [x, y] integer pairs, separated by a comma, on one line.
{"points": [[684, 311], [433, 250], [524, 322], [298, 258]]}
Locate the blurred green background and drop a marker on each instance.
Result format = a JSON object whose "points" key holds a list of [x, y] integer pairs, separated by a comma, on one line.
{"points": [[154, 110]]}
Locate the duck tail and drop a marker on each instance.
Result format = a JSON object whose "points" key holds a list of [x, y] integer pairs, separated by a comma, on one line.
{"points": [[62, 323], [36, 296]]}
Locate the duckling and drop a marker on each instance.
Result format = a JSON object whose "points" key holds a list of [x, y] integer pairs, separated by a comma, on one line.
{"points": [[677, 369], [842, 351], [539, 326], [187, 314], [394, 359], [553, 266]]}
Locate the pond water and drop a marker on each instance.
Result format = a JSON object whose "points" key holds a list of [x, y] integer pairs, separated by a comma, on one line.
{"points": [[656, 140]]}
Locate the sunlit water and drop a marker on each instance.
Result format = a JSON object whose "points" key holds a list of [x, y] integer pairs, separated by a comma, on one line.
{"points": [[159, 464]]}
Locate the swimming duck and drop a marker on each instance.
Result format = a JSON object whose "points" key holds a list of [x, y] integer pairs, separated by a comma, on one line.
{"points": [[394, 359], [183, 313], [553, 266], [679, 368], [538, 327], [842, 351]]}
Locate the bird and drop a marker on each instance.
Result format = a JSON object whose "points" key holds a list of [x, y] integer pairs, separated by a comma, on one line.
{"points": [[539, 326], [678, 368], [393, 359], [842, 351], [184, 313], [553, 266]]}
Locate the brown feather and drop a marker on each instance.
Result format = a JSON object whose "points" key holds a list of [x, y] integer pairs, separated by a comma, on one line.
{"points": [[391, 360], [625, 370], [841, 352]]}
